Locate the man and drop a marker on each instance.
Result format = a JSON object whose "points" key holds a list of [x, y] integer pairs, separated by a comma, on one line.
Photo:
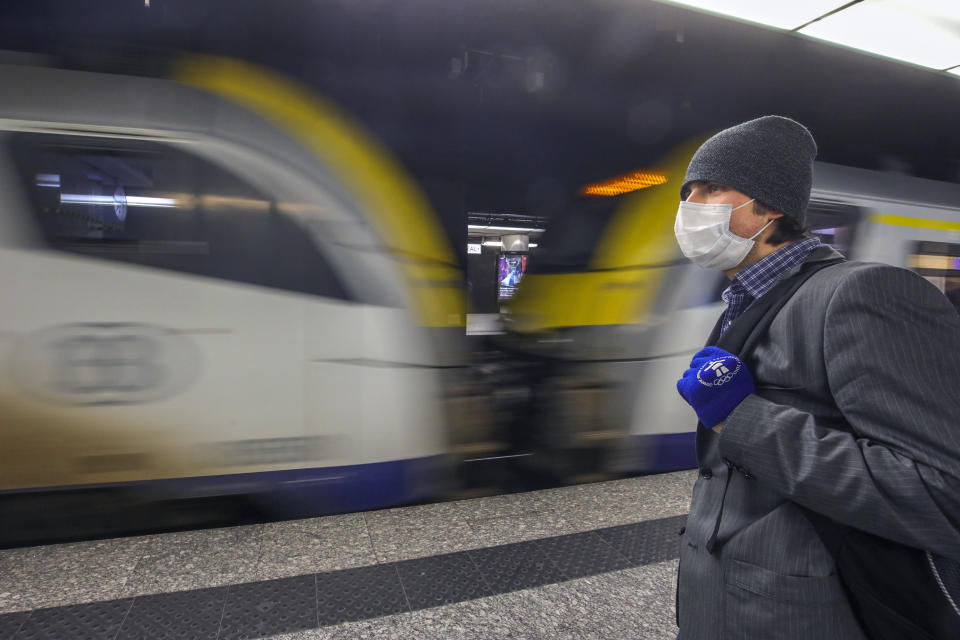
{"points": [[860, 345]]}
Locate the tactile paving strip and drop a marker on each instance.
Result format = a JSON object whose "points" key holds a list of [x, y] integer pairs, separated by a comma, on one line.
{"points": [[517, 566], [94, 621], [184, 615], [358, 594], [429, 582], [10, 623], [273, 607], [646, 542], [584, 554], [269, 608]]}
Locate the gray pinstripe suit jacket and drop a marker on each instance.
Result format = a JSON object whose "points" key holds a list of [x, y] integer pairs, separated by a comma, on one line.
{"points": [[870, 344]]}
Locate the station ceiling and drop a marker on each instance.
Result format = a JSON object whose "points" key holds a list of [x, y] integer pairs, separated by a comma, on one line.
{"points": [[513, 106], [921, 32]]}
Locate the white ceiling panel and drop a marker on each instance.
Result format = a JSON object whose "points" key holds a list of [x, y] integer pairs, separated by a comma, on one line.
{"points": [[923, 32], [785, 14]]}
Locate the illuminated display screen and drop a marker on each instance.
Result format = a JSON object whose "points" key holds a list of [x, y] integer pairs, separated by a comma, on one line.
{"points": [[510, 270]]}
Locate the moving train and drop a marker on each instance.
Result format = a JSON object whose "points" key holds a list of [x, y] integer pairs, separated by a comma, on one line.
{"points": [[233, 287], [613, 315], [214, 285]]}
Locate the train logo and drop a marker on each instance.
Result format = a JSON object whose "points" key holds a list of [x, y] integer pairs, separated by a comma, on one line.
{"points": [[104, 363]]}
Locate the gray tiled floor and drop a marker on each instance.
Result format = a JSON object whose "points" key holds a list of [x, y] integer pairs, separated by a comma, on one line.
{"points": [[634, 603], [195, 559], [15, 583], [402, 534], [314, 545], [415, 532], [103, 570], [65, 574]]}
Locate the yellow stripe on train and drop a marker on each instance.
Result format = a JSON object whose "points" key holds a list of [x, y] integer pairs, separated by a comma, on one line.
{"points": [[917, 223], [623, 279], [398, 211]]}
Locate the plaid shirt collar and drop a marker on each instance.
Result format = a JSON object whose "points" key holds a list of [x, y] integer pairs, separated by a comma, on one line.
{"points": [[758, 278]]}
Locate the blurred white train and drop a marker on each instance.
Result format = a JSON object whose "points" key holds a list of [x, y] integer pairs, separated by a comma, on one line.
{"points": [[217, 290], [612, 313], [213, 285]]}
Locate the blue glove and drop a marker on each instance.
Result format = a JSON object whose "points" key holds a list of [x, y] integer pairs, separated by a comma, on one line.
{"points": [[716, 382]]}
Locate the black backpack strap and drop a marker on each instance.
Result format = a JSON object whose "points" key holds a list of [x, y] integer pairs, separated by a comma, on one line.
{"points": [[742, 337]]}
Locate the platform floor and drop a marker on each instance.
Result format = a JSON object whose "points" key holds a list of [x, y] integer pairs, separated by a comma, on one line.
{"points": [[588, 561]]}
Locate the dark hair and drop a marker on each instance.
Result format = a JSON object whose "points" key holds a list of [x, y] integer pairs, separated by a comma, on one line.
{"points": [[785, 228]]}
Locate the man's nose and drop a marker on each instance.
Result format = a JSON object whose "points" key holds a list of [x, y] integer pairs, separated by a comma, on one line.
{"points": [[695, 195]]}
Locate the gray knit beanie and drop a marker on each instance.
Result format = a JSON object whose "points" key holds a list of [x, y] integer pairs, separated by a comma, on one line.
{"points": [[769, 159]]}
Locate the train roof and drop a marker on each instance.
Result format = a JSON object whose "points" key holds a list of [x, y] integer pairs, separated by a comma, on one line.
{"points": [[836, 181]]}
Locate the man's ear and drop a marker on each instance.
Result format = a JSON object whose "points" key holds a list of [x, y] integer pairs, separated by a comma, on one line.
{"points": [[768, 216]]}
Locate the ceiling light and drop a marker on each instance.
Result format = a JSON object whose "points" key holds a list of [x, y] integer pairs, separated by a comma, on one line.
{"points": [[493, 243], [482, 227], [624, 184], [923, 32], [785, 15]]}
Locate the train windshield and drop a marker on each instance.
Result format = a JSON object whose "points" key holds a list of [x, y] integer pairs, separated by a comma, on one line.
{"points": [[571, 238]]}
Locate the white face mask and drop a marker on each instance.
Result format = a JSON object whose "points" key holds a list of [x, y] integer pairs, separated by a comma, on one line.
{"points": [[703, 233]]}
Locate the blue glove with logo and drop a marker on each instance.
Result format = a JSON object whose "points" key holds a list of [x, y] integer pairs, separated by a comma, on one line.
{"points": [[716, 382]]}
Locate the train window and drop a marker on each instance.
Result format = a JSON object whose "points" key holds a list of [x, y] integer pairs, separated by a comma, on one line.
{"points": [[939, 262], [154, 205], [835, 223]]}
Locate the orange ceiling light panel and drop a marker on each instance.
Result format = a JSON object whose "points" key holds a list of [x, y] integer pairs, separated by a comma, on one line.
{"points": [[624, 184]]}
